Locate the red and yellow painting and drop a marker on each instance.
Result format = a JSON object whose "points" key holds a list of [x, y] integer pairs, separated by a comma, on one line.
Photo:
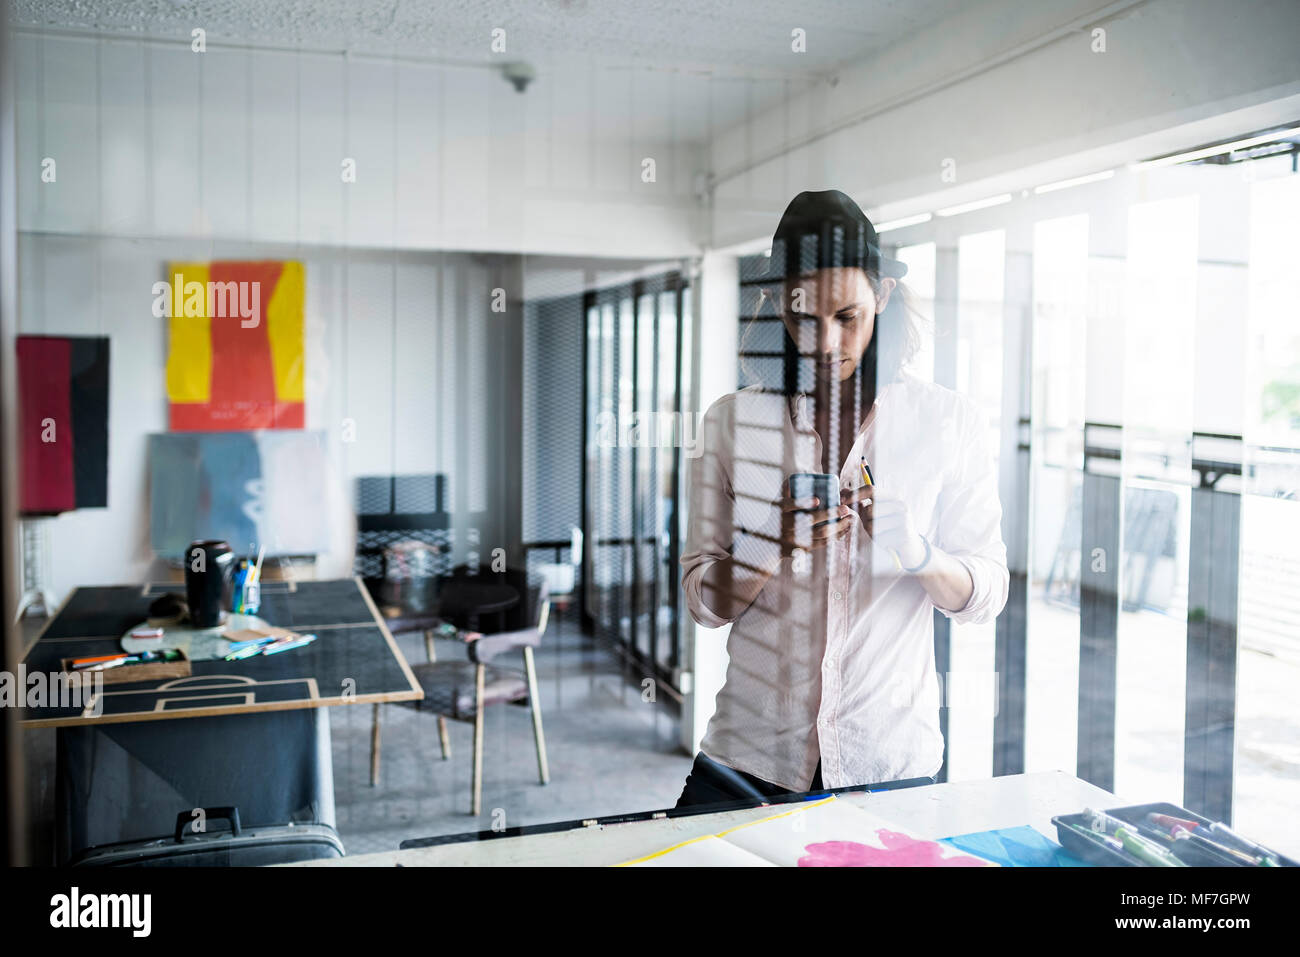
{"points": [[236, 351]]}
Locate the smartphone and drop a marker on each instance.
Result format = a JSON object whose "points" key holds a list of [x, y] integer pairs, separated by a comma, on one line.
{"points": [[822, 485]]}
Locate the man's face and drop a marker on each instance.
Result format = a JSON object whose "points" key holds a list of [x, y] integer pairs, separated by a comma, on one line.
{"points": [[831, 315]]}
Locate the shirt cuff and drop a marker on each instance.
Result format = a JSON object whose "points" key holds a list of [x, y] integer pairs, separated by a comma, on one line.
{"points": [[694, 589], [978, 595]]}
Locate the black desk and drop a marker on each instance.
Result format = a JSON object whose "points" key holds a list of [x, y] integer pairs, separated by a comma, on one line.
{"points": [[255, 734], [353, 661]]}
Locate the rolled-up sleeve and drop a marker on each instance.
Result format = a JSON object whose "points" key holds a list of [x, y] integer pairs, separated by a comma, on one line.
{"points": [[708, 514], [717, 527], [970, 520]]}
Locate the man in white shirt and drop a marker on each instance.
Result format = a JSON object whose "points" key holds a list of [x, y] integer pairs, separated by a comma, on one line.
{"points": [[831, 680]]}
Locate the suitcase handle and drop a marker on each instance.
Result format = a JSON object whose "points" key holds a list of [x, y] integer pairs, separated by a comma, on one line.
{"points": [[185, 818]]}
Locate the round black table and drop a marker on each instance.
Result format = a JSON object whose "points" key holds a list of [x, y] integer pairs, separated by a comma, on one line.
{"points": [[461, 600], [468, 599]]}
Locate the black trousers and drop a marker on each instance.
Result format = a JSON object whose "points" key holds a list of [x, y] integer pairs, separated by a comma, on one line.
{"points": [[712, 783]]}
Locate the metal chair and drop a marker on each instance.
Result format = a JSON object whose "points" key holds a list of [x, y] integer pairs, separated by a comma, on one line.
{"points": [[462, 690]]}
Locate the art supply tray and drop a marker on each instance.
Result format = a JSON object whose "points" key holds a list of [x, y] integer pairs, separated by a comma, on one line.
{"points": [[1135, 814], [148, 671]]}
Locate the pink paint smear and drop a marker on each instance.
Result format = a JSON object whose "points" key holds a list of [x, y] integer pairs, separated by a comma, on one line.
{"points": [[899, 851]]}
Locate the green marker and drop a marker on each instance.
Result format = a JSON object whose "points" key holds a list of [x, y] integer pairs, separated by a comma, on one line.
{"points": [[1146, 851], [1095, 837]]}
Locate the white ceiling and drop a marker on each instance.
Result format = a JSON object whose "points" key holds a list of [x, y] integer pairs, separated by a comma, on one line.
{"points": [[722, 36], [722, 61]]}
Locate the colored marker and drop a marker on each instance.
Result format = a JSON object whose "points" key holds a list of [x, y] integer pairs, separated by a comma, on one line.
{"points": [[241, 574], [1140, 847], [87, 662], [1094, 837], [288, 645], [143, 657], [1147, 851], [1102, 822], [1168, 822], [1220, 833], [1182, 836], [252, 643]]}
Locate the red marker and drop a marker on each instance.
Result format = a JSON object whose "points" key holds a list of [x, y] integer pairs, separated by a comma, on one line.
{"points": [[1169, 822]]}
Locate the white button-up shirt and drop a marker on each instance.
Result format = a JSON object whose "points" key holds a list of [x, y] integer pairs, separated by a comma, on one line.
{"points": [[834, 659]]}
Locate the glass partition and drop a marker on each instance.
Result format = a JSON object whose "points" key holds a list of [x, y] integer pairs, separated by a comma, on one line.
{"points": [[1060, 253], [516, 390]]}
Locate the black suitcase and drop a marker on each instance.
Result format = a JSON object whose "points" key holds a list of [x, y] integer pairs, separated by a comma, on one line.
{"points": [[232, 846], [125, 790]]}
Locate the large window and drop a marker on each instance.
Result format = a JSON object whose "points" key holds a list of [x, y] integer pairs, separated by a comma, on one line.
{"points": [[1133, 340], [1159, 344], [920, 261], [1162, 323], [634, 441], [1060, 270], [971, 685], [1267, 760]]}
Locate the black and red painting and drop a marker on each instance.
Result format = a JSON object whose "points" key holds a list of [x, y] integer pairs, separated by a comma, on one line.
{"points": [[62, 423]]}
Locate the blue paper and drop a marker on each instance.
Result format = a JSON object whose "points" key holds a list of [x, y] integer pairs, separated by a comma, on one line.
{"points": [[1015, 847]]}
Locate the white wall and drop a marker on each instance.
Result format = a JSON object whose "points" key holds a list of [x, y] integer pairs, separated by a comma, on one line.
{"points": [[164, 154], [397, 342]]}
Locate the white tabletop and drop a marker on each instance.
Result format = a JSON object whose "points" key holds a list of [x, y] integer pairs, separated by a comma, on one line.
{"points": [[935, 811]]}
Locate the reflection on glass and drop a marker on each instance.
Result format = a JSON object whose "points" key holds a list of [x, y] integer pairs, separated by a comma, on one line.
{"points": [[1267, 767], [421, 388], [643, 580], [834, 507], [669, 433], [920, 260], [1151, 671], [971, 687], [1052, 633]]}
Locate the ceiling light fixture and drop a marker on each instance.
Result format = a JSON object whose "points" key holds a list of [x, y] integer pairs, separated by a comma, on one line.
{"points": [[1219, 149], [1076, 181], [977, 204], [905, 221]]}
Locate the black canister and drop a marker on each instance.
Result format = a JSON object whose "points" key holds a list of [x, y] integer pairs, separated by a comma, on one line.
{"points": [[208, 567]]}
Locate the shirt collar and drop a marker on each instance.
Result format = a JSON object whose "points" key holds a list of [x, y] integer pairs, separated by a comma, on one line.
{"points": [[800, 414], [799, 404]]}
